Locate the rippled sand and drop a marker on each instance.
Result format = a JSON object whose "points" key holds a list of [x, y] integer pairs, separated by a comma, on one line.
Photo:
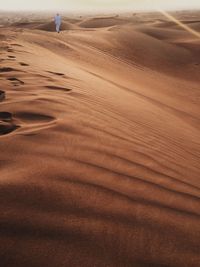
{"points": [[99, 141]]}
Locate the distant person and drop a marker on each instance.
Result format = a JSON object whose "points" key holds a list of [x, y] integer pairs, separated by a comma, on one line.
{"points": [[58, 20]]}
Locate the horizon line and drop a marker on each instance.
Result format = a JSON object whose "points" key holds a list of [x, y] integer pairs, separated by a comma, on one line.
{"points": [[99, 11]]}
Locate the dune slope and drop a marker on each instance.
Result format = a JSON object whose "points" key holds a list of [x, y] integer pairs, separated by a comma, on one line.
{"points": [[99, 141]]}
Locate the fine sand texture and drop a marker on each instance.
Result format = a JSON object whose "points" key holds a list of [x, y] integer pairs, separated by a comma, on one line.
{"points": [[99, 141]]}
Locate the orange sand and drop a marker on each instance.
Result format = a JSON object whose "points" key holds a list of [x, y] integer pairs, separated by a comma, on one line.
{"points": [[99, 141]]}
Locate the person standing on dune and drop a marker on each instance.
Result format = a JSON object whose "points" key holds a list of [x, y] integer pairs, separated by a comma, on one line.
{"points": [[57, 20]]}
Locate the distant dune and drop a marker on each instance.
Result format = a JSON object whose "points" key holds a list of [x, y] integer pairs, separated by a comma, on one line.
{"points": [[102, 22], [99, 141]]}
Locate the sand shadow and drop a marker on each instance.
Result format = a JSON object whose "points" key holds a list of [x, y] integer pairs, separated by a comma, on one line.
{"points": [[15, 81], [5, 116], [31, 122], [10, 50], [6, 124], [17, 45], [23, 64], [2, 95], [56, 73], [29, 117], [58, 88], [6, 128], [6, 69]]}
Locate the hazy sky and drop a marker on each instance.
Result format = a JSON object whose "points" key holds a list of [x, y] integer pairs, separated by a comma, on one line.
{"points": [[97, 4]]}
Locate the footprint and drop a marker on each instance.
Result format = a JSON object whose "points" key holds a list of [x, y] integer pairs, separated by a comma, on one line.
{"points": [[30, 122], [6, 124], [58, 88], [2, 95], [10, 50], [6, 128], [33, 122], [56, 73], [23, 64], [15, 80], [29, 117], [6, 69], [17, 45], [5, 116]]}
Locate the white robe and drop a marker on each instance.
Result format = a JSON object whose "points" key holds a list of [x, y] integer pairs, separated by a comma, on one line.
{"points": [[57, 20]]}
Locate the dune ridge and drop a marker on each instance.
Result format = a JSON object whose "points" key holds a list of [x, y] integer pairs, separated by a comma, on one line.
{"points": [[99, 141]]}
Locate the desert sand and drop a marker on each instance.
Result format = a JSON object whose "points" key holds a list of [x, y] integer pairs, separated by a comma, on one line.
{"points": [[99, 141]]}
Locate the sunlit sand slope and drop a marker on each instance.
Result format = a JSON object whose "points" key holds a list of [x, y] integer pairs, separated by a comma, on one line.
{"points": [[99, 141]]}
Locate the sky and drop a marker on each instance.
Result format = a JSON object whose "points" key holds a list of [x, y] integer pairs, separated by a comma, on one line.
{"points": [[97, 5]]}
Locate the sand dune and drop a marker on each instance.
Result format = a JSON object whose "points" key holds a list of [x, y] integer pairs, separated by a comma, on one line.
{"points": [[48, 26], [99, 139], [102, 22], [51, 27]]}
